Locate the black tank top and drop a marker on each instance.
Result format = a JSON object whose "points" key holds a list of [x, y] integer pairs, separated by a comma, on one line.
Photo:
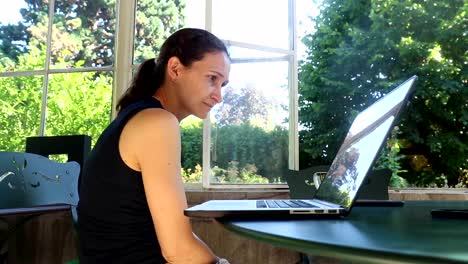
{"points": [[114, 221]]}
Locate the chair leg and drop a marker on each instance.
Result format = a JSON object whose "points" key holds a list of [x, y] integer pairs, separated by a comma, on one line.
{"points": [[3, 257], [4, 231], [304, 259]]}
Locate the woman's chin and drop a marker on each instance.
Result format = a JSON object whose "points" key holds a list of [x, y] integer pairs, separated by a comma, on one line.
{"points": [[201, 115]]}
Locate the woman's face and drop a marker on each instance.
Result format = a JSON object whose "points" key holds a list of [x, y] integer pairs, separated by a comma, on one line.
{"points": [[200, 84]]}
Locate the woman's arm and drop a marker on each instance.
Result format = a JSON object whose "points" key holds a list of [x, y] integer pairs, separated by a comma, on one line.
{"points": [[152, 139]]}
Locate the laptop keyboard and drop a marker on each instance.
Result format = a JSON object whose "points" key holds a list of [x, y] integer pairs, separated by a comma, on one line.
{"points": [[284, 204]]}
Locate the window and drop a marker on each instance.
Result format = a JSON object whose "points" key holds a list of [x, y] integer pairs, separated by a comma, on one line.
{"points": [[301, 70], [249, 135], [248, 139], [56, 69], [64, 65]]}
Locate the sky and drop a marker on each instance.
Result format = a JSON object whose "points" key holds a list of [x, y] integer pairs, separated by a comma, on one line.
{"points": [[9, 13]]}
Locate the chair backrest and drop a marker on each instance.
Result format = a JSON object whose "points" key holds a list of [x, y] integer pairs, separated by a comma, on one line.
{"points": [[303, 184], [30, 180], [77, 147]]}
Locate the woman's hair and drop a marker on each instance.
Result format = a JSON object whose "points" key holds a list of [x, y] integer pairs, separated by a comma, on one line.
{"points": [[188, 45]]}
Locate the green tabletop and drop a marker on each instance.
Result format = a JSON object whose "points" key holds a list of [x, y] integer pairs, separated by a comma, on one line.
{"points": [[405, 234]]}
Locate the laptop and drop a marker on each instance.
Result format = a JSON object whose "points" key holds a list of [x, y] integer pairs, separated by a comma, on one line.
{"points": [[347, 173]]}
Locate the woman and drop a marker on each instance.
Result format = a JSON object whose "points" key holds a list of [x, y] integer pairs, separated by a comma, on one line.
{"points": [[131, 192]]}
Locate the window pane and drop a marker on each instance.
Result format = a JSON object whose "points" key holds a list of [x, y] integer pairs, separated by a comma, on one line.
{"points": [[20, 101], [195, 13], [249, 134], [79, 103], [155, 21], [305, 10], [262, 22], [191, 129], [83, 33], [23, 37], [239, 54]]}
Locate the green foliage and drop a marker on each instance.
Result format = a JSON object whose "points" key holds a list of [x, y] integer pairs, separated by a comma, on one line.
{"points": [[361, 49], [78, 103], [247, 144], [20, 101], [192, 142], [390, 158], [155, 21], [242, 106], [194, 175], [83, 36], [231, 175], [83, 31], [240, 153], [463, 180], [20, 117]]}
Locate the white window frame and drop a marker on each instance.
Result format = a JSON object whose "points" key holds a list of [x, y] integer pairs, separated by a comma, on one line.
{"points": [[289, 55], [47, 71], [123, 68], [123, 74]]}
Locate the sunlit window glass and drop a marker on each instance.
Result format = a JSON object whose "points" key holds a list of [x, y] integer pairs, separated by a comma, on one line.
{"points": [[261, 22], [249, 131], [155, 21], [23, 37], [83, 34], [20, 104], [79, 103]]}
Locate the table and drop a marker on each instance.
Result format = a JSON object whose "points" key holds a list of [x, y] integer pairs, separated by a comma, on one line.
{"points": [[13, 218], [34, 210], [405, 234]]}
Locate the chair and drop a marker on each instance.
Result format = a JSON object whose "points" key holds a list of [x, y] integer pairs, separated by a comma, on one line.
{"points": [[77, 147], [302, 184], [32, 185]]}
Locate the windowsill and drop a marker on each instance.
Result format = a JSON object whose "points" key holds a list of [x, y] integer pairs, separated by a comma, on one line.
{"points": [[428, 193], [429, 190]]}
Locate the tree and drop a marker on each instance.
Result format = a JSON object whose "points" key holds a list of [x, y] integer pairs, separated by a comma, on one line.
{"points": [[85, 30], [361, 49], [78, 103], [155, 21], [241, 106], [82, 31], [83, 36]]}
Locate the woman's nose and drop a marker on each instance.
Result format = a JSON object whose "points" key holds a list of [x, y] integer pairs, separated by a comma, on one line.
{"points": [[216, 96]]}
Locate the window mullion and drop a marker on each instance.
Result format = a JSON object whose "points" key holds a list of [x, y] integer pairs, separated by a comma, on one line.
{"points": [[124, 45], [293, 90], [45, 80], [206, 155]]}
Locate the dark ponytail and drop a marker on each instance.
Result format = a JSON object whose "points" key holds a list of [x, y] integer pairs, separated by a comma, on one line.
{"points": [[188, 44], [150, 76]]}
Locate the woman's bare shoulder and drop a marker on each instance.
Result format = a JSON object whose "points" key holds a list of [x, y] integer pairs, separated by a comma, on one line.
{"points": [[146, 122], [154, 116], [149, 129]]}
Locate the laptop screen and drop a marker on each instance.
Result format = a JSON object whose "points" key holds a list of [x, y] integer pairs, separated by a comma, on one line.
{"points": [[361, 147]]}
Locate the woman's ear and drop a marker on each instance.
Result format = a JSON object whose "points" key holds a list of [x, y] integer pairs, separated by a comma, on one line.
{"points": [[174, 67]]}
